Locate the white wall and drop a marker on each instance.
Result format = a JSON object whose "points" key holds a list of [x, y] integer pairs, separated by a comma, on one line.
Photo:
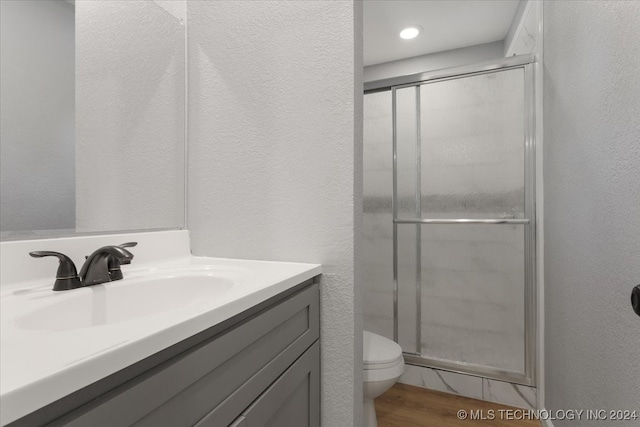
{"points": [[275, 93], [37, 115], [177, 8], [523, 34], [516, 24], [592, 206], [130, 133], [435, 61]]}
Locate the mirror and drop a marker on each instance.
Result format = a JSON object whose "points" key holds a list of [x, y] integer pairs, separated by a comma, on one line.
{"points": [[93, 116], [38, 116]]}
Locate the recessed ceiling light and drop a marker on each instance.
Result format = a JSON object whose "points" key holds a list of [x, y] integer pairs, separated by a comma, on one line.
{"points": [[410, 32]]}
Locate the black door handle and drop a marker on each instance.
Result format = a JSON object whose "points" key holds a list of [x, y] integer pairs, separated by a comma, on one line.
{"points": [[635, 299]]}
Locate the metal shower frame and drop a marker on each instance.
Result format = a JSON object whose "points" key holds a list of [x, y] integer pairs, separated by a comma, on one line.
{"points": [[525, 62]]}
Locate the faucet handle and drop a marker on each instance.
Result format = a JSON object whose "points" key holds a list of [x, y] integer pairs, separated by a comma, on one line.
{"points": [[67, 275], [122, 245], [115, 272]]}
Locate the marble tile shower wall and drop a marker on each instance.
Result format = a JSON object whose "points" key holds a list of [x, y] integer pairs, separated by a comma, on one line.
{"points": [[469, 386]]}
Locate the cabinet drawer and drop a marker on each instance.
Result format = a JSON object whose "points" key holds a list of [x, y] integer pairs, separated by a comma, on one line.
{"points": [[184, 389], [292, 400]]}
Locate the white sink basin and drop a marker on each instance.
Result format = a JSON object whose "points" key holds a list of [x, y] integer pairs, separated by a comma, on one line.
{"points": [[55, 343], [123, 300]]}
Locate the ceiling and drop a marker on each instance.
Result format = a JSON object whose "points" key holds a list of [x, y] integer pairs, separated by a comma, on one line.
{"points": [[446, 24]]}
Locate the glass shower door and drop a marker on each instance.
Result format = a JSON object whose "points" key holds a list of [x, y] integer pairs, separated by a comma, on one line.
{"points": [[463, 220]]}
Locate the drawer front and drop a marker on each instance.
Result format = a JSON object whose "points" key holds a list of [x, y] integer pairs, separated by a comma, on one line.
{"points": [[292, 400], [184, 389]]}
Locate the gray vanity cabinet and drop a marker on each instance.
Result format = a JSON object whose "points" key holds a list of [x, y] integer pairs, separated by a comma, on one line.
{"points": [[260, 368]]}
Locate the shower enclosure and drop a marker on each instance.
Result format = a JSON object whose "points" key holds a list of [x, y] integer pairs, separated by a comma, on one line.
{"points": [[450, 218]]}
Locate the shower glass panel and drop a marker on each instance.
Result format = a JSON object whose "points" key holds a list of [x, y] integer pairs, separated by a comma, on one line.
{"points": [[464, 223], [473, 295], [408, 295], [473, 146], [472, 167], [377, 215], [407, 163], [406, 109]]}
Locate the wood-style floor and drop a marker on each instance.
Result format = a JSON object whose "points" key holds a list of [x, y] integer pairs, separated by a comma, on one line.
{"points": [[408, 406]]}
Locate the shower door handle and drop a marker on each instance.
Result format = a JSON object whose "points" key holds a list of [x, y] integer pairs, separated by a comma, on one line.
{"points": [[460, 221]]}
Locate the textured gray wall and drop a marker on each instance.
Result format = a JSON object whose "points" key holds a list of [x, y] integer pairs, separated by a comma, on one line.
{"points": [[592, 206], [37, 136], [275, 106]]}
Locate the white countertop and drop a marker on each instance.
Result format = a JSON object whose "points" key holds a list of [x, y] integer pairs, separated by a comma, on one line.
{"points": [[38, 367]]}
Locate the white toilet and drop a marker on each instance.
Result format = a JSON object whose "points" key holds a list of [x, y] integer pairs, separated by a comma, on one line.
{"points": [[382, 366]]}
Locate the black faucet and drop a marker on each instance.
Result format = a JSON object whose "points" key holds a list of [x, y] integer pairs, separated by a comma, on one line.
{"points": [[100, 267], [96, 268]]}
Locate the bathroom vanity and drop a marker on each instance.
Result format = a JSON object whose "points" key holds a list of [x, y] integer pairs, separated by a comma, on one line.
{"points": [[247, 355]]}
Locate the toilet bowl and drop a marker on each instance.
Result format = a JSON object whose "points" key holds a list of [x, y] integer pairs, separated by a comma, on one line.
{"points": [[382, 365]]}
